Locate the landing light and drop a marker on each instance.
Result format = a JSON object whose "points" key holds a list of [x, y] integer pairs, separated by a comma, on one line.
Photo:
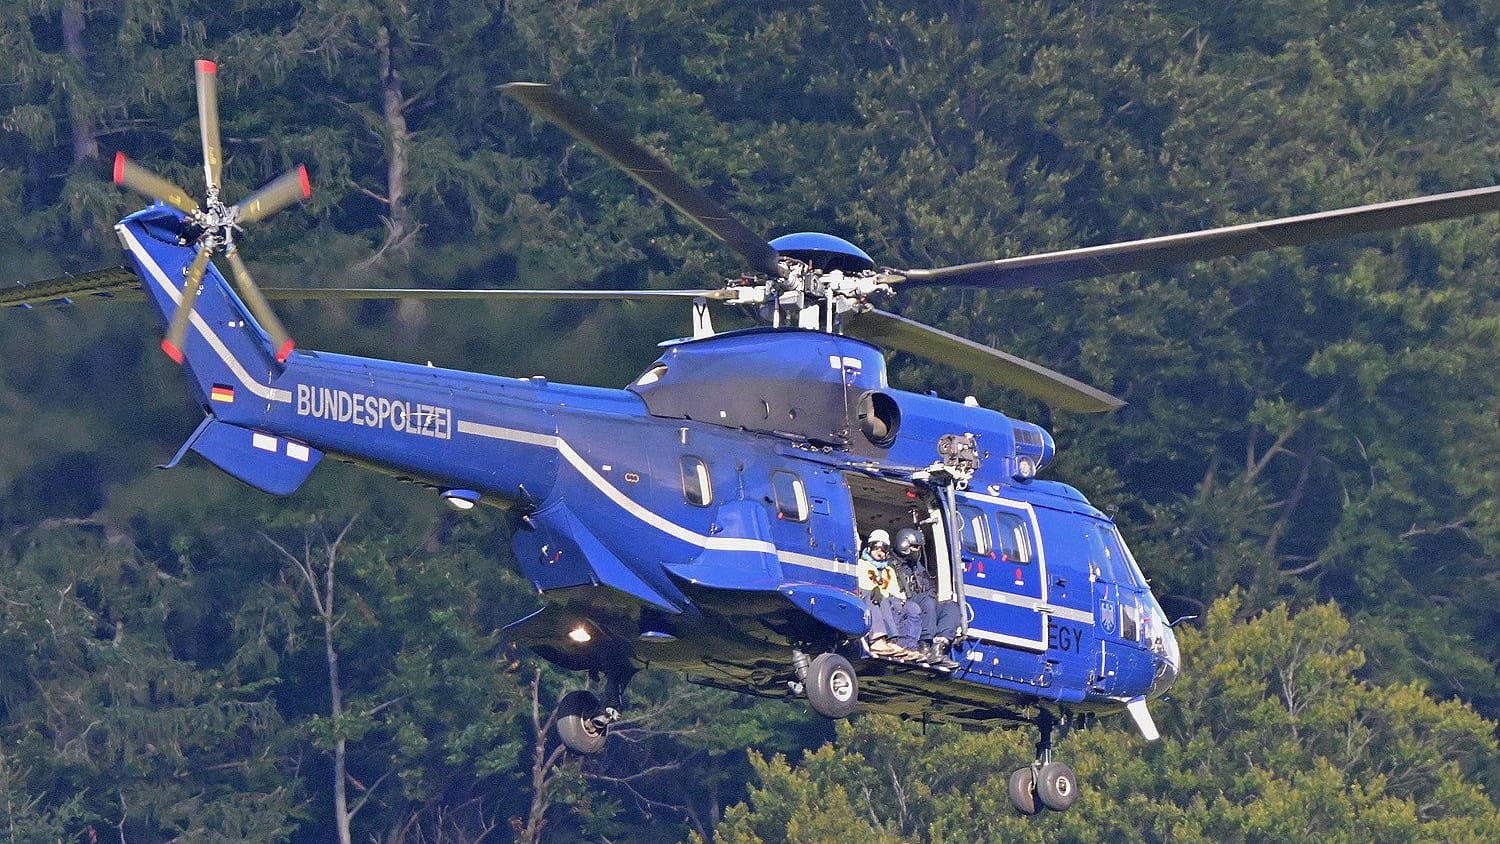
{"points": [[461, 500], [580, 635]]}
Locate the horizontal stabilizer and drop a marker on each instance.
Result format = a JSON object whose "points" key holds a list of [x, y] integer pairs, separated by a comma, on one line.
{"points": [[265, 461]]}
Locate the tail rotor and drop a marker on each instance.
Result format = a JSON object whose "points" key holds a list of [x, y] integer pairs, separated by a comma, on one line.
{"points": [[215, 222], [256, 301], [176, 337]]}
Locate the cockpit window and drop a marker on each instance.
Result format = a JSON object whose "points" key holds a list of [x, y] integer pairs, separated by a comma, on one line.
{"points": [[1108, 557], [1013, 542], [1135, 568]]}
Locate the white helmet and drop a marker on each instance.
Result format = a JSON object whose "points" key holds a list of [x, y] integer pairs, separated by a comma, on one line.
{"points": [[879, 537]]}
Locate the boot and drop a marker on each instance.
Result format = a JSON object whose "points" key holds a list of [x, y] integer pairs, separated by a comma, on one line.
{"points": [[924, 648], [938, 654], [910, 654]]}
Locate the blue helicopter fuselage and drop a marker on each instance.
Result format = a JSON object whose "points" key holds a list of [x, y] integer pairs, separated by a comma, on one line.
{"points": [[707, 518]]}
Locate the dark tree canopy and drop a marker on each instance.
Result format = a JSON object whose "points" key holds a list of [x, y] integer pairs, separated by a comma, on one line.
{"points": [[1313, 431]]}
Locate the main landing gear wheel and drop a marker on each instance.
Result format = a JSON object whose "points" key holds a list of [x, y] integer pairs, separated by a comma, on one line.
{"points": [[832, 686], [1044, 784], [1023, 791], [583, 723], [1056, 786]]}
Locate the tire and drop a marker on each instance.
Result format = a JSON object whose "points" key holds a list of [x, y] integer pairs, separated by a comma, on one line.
{"points": [[1056, 786], [575, 726], [832, 686], [1023, 791]]}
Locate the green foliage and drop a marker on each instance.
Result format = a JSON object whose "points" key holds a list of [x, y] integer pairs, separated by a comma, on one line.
{"points": [[106, 726], [1304, 426], [1270, 736]]}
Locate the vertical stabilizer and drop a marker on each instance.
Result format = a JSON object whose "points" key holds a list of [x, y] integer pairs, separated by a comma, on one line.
{"points": [[226, 354]]}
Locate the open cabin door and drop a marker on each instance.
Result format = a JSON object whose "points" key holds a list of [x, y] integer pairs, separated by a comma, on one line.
{"points": [[1000, 569], [983, 552]]}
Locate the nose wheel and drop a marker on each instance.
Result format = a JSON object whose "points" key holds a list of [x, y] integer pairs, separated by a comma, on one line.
{"points": [[1044, 784]]}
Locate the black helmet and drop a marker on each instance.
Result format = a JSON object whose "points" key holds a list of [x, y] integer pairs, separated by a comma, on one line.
{"points": [[908, 540]]}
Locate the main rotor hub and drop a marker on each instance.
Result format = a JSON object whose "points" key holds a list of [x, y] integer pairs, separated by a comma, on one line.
{"points": [[814, 289]]}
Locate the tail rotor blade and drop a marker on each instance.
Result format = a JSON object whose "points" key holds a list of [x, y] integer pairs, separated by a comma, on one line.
{"points": [[258, 306], [208, 122], [139, 179], [176, 339], [291, 186]]}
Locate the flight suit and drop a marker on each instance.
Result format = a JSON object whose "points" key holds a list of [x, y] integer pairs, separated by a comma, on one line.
{"points": [[890, 613]]}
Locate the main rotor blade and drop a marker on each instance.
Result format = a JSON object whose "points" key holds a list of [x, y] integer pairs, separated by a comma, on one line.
{"points": [[176, 339], [251, 296], [587, 125], [143, 181], [291, 186], [484, 293], [208, 122], [115, 283], [121, 284], [997, 367], [1157, 252]]}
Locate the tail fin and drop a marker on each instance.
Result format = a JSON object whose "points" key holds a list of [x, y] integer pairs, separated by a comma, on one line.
{"points": [[228, 357]]}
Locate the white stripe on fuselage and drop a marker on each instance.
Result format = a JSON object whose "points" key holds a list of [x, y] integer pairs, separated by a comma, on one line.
{"points": [[158, 276], [720, 543], [629, 505], [1028, 602]]}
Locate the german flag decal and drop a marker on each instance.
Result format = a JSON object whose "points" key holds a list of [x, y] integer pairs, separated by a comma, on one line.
{"points": [[222, 393]]}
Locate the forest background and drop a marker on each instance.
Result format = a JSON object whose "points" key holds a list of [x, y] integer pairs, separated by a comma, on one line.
{"points": [[1307, 461]]}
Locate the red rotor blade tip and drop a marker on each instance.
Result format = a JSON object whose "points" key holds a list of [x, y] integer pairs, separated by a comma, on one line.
{"points": [[172, 351], [306, 184], [119, 168], [285, 351], [207, 66]]}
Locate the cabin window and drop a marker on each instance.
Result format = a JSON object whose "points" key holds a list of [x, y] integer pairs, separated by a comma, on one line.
{"points": [[791, 496], [697, 487], [1013, 542], [975, 529]]}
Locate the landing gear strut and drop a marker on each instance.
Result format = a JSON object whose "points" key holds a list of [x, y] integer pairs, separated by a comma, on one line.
{"points": [[1044, 783]]}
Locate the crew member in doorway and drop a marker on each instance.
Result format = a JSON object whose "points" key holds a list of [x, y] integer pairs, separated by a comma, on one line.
{"points": [[939, 620], [890, 619]]}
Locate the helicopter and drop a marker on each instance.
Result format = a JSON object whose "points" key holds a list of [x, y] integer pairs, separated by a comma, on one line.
{"points": [[709, 517]]}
